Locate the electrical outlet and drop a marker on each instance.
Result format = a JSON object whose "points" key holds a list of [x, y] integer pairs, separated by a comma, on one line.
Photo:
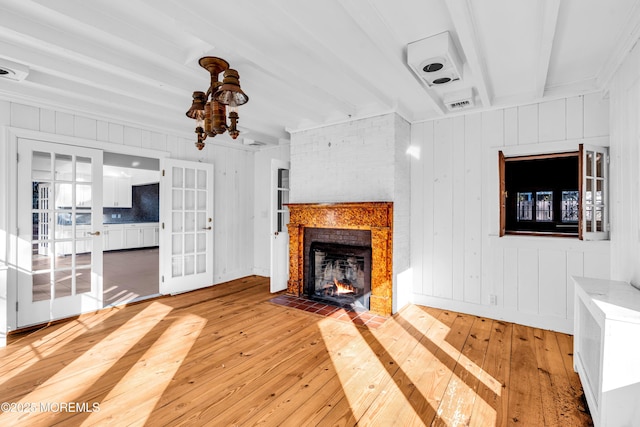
{"points": [[493, 299]]}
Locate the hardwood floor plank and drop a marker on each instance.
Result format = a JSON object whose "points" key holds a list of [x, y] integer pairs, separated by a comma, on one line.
{"points": [[525, 400], [461, 394], [496, 366], [393, 406], [225, 355], [560, 406]]}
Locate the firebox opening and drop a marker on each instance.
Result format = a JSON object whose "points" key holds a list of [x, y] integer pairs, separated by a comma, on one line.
{"points": [[340, 274]]}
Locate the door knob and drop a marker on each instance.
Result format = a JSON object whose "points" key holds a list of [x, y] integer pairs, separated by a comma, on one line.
{"points": [[97, 233], [207, 228]]}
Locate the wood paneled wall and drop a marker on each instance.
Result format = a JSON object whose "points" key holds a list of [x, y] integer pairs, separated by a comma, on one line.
{"points": [[458, 260], [233, 166], [625, 172]]}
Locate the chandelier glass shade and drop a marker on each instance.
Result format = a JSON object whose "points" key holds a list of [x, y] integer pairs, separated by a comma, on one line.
{"points": [[209, 109]]}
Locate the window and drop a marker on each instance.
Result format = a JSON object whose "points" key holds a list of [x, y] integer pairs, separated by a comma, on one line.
{"points": [[560, 194]]}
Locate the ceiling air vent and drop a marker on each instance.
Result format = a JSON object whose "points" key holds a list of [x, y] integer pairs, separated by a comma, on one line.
{"points": [[12, 70], [253, 143], [435, 59], [459, 100]]}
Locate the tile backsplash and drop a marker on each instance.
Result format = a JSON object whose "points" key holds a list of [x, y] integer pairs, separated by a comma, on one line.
{"points": [[145, 206]]}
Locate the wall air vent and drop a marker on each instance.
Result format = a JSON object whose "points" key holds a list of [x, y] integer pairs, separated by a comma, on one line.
{"points": [[12, 70], [459, 100], [434, 59]]}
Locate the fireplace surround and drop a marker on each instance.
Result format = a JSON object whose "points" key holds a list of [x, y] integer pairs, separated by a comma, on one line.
{"points": [[374, 217]]}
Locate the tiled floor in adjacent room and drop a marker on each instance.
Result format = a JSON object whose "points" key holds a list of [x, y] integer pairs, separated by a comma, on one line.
{"points": [[363, 318]]}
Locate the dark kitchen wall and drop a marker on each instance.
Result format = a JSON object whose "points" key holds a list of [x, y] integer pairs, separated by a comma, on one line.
{"points": [[145, 201]]}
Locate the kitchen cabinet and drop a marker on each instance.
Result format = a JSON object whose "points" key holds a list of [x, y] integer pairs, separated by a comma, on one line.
{"points": [[66, 232], [116, 192], [130, 236], [149, 235], [113, 237]]}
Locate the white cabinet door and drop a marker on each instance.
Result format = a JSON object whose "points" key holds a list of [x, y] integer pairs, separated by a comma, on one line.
{"points": [[131, 236], [117, 192], [148, 235], [82, 234], [108, 192], [123, 193], [113, 237]]}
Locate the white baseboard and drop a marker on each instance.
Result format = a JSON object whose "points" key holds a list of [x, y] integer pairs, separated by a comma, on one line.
{"points": [[528, 319]]}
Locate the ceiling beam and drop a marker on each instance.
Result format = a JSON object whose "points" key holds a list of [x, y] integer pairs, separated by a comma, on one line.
{"points": [[242, 45], [370, 21], [550, 10], [462, 17], [627, 40]]}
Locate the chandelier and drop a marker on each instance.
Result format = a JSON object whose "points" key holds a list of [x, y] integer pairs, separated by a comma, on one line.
{"points": [[210, 109]]}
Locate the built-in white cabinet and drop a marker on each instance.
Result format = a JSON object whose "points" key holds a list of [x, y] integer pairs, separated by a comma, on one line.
{"points": [[130, 236], [113, 237], [149, 235], [116, 192], [606, 349], [66, 232]]}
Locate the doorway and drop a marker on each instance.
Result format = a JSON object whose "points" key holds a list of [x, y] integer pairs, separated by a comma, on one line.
{"points": [[131, 218]]}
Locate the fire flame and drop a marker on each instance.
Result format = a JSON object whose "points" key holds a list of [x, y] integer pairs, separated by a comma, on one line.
{"points": [[343, 288]]}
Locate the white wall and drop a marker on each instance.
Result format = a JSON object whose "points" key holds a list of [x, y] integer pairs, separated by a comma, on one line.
{"points": [[625, 172], [234, 183], [262, 206], [457, 258], [359, 161]]}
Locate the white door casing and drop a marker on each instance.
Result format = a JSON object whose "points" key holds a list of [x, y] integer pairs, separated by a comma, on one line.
{"points": [[59, 248], [186, 226]]}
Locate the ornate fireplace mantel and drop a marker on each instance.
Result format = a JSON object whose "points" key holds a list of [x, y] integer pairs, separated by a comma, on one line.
{"points": [[374, 216]]}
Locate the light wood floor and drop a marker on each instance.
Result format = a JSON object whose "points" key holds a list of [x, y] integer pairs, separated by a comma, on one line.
{"points": [[226, 356]]}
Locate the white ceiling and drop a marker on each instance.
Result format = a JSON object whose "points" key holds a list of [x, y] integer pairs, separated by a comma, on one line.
{"points": [[303, 63]]}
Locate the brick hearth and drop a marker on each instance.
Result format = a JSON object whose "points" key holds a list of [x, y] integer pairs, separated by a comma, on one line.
{"points": [[374, 216]]}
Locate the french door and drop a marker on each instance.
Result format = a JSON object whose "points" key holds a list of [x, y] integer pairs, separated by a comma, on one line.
{"points": [[186, 235], [59, 225]]}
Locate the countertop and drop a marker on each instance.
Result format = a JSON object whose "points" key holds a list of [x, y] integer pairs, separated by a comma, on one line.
{"points": [[130, 222], [617, 300]]}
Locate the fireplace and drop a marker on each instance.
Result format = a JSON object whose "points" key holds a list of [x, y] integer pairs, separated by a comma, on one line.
{"points": [[339, 274], [349, 241]]}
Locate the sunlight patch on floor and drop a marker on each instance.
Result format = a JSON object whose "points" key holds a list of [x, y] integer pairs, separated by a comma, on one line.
{"points": [[459, 398], [491, 383], [22, 359], [352, 363], [119, 404], [421, 366], [74, 379]]}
